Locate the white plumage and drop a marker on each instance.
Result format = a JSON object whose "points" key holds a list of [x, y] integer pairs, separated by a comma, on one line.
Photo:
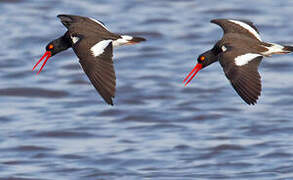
{"points": [[99, 48], [248, 27], [245, 58], [99, 22], [122, 41], [74, 39]]}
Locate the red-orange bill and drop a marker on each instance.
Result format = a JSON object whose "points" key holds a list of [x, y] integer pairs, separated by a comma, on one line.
{"points": [[48, 54], [193, 73]]}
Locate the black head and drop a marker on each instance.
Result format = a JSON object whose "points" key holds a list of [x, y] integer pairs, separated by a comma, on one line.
{"points": [[207, 58], [54, 47], [58, 45], [203, 61]]}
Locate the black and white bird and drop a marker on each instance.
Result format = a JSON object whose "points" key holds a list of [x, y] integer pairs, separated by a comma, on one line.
{"points": [[239, 52], [93, 44]]}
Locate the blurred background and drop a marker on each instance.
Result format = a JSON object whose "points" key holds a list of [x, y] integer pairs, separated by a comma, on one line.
{"points": [[56, 126]]}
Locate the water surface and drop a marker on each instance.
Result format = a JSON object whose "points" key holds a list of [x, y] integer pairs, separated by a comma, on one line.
{"points": [[55, 125]]}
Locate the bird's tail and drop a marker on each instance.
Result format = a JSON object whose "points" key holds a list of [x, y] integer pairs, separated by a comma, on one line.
{"points": [[273, 48], [135, 40], [127, 40], [288, 48]]}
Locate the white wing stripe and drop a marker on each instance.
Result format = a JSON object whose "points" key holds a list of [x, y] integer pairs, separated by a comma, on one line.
{"points": [[244, 59], [99, 48], [247, 27], [98, 23]]}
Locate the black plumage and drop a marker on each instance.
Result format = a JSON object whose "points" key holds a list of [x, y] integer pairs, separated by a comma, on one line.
{"points": [[93, 44], [240, 51]]}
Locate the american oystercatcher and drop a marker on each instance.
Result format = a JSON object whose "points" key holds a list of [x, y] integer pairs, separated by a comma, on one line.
{"points": [[239, 52], [93, 44]]}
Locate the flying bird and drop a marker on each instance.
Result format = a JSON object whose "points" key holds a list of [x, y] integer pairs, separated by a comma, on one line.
{"points": [[93, 44], [240, 51]]}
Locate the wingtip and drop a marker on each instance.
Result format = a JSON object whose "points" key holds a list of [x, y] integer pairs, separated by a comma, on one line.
{"points": [[214, 21], [65, 19], [68, 15], [62, 15], [109, 101], [252, 103], [249, 102]]}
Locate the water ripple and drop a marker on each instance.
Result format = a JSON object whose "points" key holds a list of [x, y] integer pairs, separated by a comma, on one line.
{"points": [[56, 126]]}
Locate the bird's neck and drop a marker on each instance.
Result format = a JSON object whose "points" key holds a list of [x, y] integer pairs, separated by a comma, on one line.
{"points": [[63, 42]]}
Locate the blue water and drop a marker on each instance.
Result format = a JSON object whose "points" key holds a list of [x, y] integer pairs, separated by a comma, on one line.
{"points": [[56, 126]]}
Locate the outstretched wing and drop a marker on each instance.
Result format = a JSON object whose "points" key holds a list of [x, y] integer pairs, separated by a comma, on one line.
{"points": [[85, 25], [92, 43], [95, 58], [238, 26], [241, 68]]}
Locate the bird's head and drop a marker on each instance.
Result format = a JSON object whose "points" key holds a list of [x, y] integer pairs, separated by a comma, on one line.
{"points": [[203, 61], [53, 48]]}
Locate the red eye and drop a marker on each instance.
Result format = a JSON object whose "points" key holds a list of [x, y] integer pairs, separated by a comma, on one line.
{"points": [[51, 46], [202, 58]]}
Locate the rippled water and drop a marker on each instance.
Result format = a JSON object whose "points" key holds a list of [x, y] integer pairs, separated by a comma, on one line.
{"points": [[55, 125]]}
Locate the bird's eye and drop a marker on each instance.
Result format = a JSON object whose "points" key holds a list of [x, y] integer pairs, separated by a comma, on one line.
{"points": [[202, 58], [51, 46]]}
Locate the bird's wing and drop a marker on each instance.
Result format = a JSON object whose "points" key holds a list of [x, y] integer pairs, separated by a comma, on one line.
{"points": [[241, 68], [95, 56], [238, 26], [86, 25]]}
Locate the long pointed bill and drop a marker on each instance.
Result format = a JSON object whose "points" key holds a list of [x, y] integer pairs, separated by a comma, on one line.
{"points": [[48, 54], [193, 73]]}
